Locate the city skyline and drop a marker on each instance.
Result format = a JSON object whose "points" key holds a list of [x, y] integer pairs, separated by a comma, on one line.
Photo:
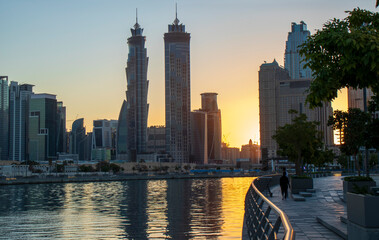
{"points": [[78, 50]]}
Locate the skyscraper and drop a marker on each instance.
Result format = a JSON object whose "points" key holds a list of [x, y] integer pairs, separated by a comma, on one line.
{"points": [[61, 128], [177, 91], [101, 140], [79, 140], [355, 97], [122, 133], [136, 94], [199, 137], [292, 59], [4, 117], [209, 105], [270, 76], [19, 97], [42, 127], [277, 95]]}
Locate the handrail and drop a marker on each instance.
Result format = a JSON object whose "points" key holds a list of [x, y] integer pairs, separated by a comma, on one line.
{"points": [[265, 226]]}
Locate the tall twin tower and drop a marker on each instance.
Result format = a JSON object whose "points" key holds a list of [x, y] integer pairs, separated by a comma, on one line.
{"points": [[132, 130]]}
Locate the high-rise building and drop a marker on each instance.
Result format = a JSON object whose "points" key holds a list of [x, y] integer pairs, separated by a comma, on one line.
{"points": [[270, 76], [122, 133], [104, 139], [277, 95], [19, 97], [230, 154], [136, 94], [206, 131], [356, 97], [214, 134], [292, 59], [42, 127], [199, 137], [250, 151], [4, 117], [177, 91], [61, 128], [156, 139], [79, 140]]}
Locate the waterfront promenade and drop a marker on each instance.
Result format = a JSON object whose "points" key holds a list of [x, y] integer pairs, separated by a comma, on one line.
{"points": [[312, 218]]}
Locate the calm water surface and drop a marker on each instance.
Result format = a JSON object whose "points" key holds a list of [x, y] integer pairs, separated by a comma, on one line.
{"points": [[151, 209]]}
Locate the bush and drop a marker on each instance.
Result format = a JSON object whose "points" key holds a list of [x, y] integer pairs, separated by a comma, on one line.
{"points": [[84, 168], [358, 179], [301, 177]]}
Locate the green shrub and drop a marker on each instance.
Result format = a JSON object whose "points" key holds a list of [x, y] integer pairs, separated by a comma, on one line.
{"points": [[358, 179], [300, 177]]}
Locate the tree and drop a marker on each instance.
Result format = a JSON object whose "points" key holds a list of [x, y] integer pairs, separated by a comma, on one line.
{"points": [[345, 53], [299, 140], [355, 131]]}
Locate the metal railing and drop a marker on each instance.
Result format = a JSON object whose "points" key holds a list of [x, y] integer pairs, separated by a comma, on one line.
{"points": [[258, 222]]}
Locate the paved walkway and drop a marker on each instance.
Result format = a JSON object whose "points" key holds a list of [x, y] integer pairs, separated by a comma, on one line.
{"points": [[325, 204]]}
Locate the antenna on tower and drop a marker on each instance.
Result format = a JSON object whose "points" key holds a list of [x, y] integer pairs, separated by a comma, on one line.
{"points": [[176, 21], [136, 25]]}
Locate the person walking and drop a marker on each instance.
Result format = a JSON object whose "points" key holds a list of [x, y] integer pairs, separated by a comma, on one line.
{"points": [[284, 184]]}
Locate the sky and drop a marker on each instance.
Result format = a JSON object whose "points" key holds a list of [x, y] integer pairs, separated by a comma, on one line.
{"points": [[77, 50]]}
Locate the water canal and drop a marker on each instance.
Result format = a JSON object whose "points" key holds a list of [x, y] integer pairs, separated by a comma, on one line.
{"points": [[136, 209]]}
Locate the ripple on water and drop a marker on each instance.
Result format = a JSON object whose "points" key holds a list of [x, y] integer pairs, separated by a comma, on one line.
{"points": [[159, 209]]}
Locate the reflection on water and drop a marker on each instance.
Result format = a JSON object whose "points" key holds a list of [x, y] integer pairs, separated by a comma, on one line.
{"points": [[174, 208]]}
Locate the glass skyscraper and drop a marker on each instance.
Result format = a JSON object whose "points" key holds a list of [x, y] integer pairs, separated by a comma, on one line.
{"points": [[122, 133], [136, 94], [292, 59], [177, 92], [42, 127], [4, 117], [19, 97]]}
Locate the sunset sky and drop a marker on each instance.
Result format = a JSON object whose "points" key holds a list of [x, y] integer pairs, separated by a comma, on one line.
{"points": [[77, 50]]}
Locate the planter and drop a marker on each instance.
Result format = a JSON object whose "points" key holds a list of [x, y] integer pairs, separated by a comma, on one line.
{"points": [[300, 184], [363, 210], [362, 216], [349, 186]]}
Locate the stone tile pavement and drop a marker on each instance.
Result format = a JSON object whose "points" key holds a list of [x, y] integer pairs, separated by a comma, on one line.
{"points": [[325, 204]]}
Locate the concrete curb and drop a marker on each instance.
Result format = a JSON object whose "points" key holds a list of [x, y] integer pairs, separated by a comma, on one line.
{"points": [[332, 228]]}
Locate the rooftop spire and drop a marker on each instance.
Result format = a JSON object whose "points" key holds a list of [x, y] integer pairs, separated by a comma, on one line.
{"points": [[176, 21], [136, 25]]}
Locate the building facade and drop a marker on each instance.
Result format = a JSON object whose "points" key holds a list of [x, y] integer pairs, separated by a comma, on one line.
{"points": [[136, 95], [356, 97], [4, 117], [250, 151], [104, 139], [270, 76], [122, 133], [177, 92], [277, 95], [19, 98], [42, 128], [156, 139], [79, 140], [61, 128], [292, 59], [214, 132], [199, 137], [230, 154]]}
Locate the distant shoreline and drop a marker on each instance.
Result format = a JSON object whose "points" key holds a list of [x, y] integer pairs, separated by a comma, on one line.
{"points": [[116, 177]]}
